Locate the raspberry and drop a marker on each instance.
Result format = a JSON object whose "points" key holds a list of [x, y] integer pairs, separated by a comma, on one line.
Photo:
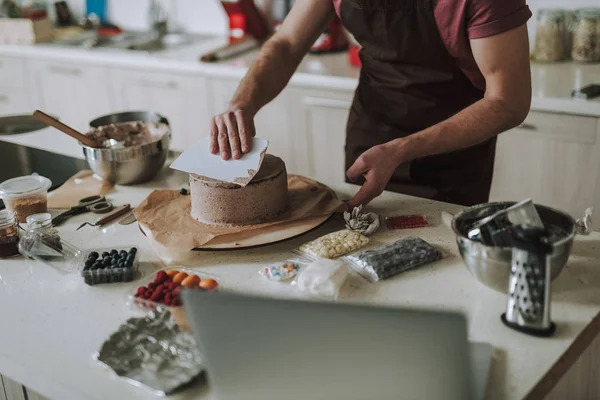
{"points": [[176, 302], [157, 295], [141, 290], [152, 285], [177, 291], [173, 285], [161, 276], [146, 294]]}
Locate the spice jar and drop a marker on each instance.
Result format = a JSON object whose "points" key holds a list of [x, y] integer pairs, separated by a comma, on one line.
{"points": [[41, 226], [26, 195], [43, 243], [586, 35], [9, 234], [552, 38]]}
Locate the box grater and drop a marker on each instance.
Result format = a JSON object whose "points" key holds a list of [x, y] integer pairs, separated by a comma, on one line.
{"points": [[528, 305], [496, 230]]}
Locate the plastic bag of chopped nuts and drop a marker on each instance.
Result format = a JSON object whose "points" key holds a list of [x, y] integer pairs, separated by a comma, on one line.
{"points": [[333, 245]]}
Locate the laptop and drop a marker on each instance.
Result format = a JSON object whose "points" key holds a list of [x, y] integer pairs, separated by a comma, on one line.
{"points": [[264, 348]]}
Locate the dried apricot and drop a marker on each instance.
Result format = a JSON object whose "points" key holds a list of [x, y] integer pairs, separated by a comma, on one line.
{"points": [[208, 284], [180, 277], [172, 272], [191, 281]]}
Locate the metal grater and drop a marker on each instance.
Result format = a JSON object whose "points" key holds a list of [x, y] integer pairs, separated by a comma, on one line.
{"points": [[528, 306], [496, 230]]}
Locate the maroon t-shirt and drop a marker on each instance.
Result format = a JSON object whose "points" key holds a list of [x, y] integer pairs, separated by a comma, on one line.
{"points": [[458, 21]]}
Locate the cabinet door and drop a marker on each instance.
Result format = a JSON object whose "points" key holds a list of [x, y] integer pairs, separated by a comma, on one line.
{"points": [[14, 93], [74, 93], [13, 73], [271, 122], [181, 99], [553, 159], [31, 395], [14, 101], [13, 390], [319, 126]]}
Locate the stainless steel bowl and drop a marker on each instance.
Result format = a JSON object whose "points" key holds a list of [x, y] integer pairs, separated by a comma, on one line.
{"points": [[491, 265], [128, 116], [130, 165]]}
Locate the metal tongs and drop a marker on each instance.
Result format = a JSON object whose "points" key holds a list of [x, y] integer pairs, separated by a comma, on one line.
{"points": [[495, 230]]}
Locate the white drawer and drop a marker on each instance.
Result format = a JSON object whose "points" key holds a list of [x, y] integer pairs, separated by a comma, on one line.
{"points": [[13, 73], [562, 127]]}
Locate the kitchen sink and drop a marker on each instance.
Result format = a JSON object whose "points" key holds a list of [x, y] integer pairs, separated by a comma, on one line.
{"points": [[16, 124], [17, 160], [135, 41]]}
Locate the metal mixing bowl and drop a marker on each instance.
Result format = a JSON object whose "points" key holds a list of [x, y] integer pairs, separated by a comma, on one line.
{"points": [[130, 165], [491, 265]]}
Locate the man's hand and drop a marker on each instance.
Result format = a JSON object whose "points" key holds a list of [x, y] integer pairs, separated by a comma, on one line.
{"points": [[231, 133], [377, 166]]}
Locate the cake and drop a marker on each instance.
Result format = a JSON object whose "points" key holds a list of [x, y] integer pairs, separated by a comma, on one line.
{"points": [[222, 203]]}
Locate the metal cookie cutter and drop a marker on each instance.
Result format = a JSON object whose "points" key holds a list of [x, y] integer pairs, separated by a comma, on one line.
{"points": [[96, 204]]}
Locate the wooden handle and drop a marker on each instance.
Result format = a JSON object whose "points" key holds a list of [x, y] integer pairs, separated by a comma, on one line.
{"points": [[48, 120], [117, 212]]}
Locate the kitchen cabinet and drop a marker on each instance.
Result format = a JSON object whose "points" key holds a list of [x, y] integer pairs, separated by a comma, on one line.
{"points": [[319, 131], [272, 121], [181, 99], [553, 159], [14, 90], [14, 101], [12, 389], [75, 93], [31, 395]]}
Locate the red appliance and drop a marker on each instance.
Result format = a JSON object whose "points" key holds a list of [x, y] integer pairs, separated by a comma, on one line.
{"points": [[353, 51], [245, 19], [333, 39]]}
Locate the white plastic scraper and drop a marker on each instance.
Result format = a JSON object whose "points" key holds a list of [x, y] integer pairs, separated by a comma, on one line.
{"points": [[198, 160]]}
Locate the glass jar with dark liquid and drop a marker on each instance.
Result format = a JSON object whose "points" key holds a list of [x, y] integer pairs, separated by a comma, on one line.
{"points": [[9, 234]]}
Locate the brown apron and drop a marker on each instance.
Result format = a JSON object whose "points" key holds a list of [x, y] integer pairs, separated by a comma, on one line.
{"points": [[409, 82]]}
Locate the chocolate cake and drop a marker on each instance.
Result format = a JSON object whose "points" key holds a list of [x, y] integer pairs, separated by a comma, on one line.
{"points": [[222, 203]]}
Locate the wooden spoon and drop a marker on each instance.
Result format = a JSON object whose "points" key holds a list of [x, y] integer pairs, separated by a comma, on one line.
{"points": [[48, 120]]}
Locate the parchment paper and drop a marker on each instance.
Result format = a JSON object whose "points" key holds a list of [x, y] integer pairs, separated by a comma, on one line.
{"points": [[82, 184], [165, 215]]}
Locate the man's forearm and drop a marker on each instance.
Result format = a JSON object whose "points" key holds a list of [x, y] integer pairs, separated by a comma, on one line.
{"points": [[267, 76], [475, 124]]}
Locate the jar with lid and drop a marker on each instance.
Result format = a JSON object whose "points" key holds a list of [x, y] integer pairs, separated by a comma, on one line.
{"points": [[9, 234], [586, 35], [25, 195], [552, 36], [42, 242]]}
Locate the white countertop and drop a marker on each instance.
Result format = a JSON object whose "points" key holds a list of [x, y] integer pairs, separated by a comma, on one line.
{"points": [[52, 324], [552, 83]]}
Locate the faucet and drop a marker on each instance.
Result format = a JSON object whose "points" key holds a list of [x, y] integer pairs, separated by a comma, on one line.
{"points": [[158, 20]]}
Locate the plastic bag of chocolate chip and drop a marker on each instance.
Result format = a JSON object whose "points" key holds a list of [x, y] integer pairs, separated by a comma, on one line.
{"points": [[387, 261]]}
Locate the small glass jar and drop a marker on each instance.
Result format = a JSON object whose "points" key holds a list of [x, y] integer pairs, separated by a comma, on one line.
{"points": [[42, 242], [9, 234], [40, 227], [586, 35], [551, 38]]}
